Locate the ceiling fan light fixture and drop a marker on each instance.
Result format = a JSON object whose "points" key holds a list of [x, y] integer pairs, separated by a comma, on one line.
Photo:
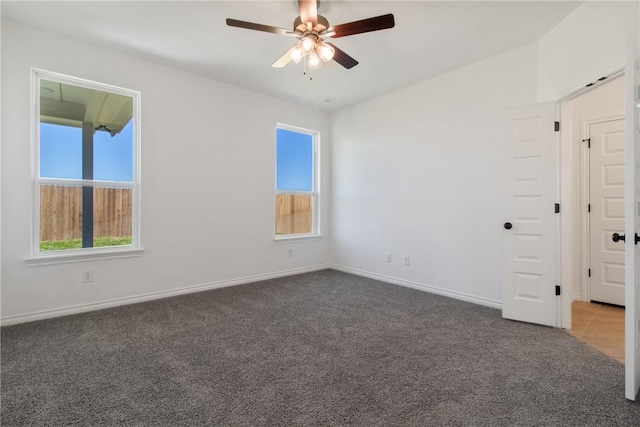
{"points": [[314, 61], [325, 51], [307, 44], [310, 29]]}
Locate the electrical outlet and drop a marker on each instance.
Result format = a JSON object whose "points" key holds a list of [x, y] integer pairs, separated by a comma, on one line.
{"points": [[407, 260], [87, 276], [388, 257], [290, 253]]}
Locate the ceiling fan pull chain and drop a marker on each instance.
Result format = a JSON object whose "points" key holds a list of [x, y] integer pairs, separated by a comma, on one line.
{"points": [[308, 70], [304, 67]]}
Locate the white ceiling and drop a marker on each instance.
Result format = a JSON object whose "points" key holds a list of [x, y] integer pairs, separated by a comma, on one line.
{"points": [[429, 38]]}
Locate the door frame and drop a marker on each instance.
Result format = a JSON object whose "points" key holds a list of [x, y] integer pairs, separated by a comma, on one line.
{"points": [[585, 219], [570, 256]]}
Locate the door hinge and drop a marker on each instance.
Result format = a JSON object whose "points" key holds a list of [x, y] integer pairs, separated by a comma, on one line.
{"points": [[556, 126], [589, 272], [557, 289], [557, 208], [589, 207], [588, 141]]}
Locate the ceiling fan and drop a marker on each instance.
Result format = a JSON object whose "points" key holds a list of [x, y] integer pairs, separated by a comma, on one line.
{"points": [[310, 29]]}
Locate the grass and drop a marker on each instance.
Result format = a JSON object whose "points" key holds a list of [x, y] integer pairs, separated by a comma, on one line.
{"points": [[98, 242]]}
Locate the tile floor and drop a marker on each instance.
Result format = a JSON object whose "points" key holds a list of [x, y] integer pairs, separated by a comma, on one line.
{"points": [[601, 326]]}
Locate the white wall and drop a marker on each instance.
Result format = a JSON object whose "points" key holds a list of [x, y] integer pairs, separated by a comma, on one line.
{"points": [[207, 188], [583, 47], [603, 102], [417, 172]]}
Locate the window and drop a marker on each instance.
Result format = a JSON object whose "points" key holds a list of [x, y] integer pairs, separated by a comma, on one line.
{"points": [[86, 174], [296, 182]]}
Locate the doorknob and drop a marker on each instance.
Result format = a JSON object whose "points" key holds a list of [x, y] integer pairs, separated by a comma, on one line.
{"points": [[508, 225], [617, 237]]}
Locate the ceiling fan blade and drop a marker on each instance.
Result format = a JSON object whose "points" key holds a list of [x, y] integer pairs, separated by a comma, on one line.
{"points": [[259, 27], [342, 58], [363, 26], [308, 11], [284, 59]]}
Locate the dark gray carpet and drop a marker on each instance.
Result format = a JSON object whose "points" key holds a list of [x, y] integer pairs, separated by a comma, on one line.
{"points": [[319, 349]]}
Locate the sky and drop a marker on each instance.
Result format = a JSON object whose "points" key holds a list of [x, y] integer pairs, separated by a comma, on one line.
{"points": [[61, 156], [294, 161], [61, 153]]}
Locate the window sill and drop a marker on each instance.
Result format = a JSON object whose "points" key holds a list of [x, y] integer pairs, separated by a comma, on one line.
{"points": [[297, 238], [81, 256]]}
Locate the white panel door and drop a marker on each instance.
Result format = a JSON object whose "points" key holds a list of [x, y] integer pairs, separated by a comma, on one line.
{"points": [[529, 218], [632, 222], [606, 196]]}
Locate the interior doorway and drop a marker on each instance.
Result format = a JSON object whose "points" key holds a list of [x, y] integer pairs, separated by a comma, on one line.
{"points": [[593, 156]]}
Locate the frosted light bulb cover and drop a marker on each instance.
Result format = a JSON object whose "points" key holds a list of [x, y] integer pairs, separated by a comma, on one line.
{"points": [[296, 55], [307, 44], [314, 61], [326, 52]]}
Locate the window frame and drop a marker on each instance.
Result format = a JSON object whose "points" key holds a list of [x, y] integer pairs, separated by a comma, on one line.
{"points": [[315, 186], [38, 257]]}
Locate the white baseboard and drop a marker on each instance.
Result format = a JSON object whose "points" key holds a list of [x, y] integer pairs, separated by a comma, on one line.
{"points": [[577, 296], [422, 287], [82, 308]]}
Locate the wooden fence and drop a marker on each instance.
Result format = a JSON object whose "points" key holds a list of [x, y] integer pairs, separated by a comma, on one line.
{"points": [[294, 213], [61, 212]]}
